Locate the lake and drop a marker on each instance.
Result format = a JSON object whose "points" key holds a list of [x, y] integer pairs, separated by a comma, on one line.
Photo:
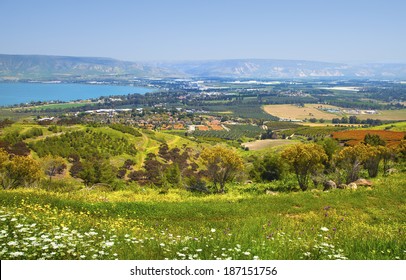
{"points": [[16, 93]]}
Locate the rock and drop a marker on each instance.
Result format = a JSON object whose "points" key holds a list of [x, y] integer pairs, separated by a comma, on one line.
{"points": [[271, 193], [352, 186], [363, 182], [342, 186], [329, 185], [390, 171]]}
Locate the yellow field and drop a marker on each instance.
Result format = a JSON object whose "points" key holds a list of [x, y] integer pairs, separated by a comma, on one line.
{"points": [[267, 143], [389, 115], [293, 112]]}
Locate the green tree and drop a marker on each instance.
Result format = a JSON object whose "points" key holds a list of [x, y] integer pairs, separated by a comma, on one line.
{"points": [[97, 170], [268, 168], [374, 140], [304, 160], [388, 154], [222, 165], [53, 166], [330, 147], [4, 158], [372, 159], [172, 176], [350, 160]]}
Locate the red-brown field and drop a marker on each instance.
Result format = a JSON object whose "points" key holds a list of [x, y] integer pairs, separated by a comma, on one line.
{"points": [[353, 137]]}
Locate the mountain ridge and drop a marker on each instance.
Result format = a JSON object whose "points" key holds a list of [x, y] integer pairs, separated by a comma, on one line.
{"points": [[59, 67]]}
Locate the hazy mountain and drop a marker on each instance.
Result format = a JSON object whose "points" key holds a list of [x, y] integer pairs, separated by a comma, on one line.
{"points": [[260, 68], [43, 67], [49, 67]]}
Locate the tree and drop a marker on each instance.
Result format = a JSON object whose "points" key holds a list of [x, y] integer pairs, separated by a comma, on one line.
{"points": [[53, 166], [401, 150], [330, 147], [304, 159], [350, 160], [172, 176], [372, 159], [388, 155], [353, 120], [4, 157], [374, 140], [222, 165], [4, 160], [269, 168], [154, 169], [97, 170], [128, 164], [20, 171]]}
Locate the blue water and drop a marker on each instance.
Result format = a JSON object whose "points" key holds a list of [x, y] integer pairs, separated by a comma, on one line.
{"points": [[16, 93]]}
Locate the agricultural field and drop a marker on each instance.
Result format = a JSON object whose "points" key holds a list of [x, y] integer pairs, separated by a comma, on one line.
{"points": [[294, 112], [398, 126], [246, 111], [69, 105], [258, 145], [387, 115], [234, 132], [353, 137]]}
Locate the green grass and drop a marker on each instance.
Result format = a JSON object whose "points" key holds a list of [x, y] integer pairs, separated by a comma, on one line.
{"points": [[398, 126], [60, 106], [141, 224]]}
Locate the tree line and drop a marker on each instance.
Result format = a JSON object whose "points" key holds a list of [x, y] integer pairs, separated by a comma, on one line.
{"points": [[211, 169]]}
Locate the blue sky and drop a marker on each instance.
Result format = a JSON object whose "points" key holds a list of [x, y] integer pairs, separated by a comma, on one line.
{"points": [[139, 30]]}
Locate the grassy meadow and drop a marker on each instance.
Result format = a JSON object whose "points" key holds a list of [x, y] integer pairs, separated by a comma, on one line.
{"points": [[368, 223]]}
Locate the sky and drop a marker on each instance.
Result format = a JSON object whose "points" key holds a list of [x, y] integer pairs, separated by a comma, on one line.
{"points": [[348, 31]]}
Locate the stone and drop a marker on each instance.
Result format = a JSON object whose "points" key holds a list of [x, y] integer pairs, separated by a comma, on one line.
{"points": [[342, 186], [271, 192], [329, 185], [352, 186], [363, 182], [390, 171]]}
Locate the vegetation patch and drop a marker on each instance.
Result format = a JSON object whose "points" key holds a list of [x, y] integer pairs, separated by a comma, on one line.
{"points": [[353, 137]]}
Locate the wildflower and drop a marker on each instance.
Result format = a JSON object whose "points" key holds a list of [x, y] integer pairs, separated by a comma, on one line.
{"points": [[162, 244], [307, 254], [16, 254], [247, 253], [109, 243], [324, 229], [12, 243], [213, 230], [199, 250]]}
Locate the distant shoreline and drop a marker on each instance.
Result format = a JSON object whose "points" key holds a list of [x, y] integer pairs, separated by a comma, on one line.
{"points": [[16, 93]]}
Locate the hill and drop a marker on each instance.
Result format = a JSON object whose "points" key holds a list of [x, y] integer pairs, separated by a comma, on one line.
{"points": [[59, 67]]}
